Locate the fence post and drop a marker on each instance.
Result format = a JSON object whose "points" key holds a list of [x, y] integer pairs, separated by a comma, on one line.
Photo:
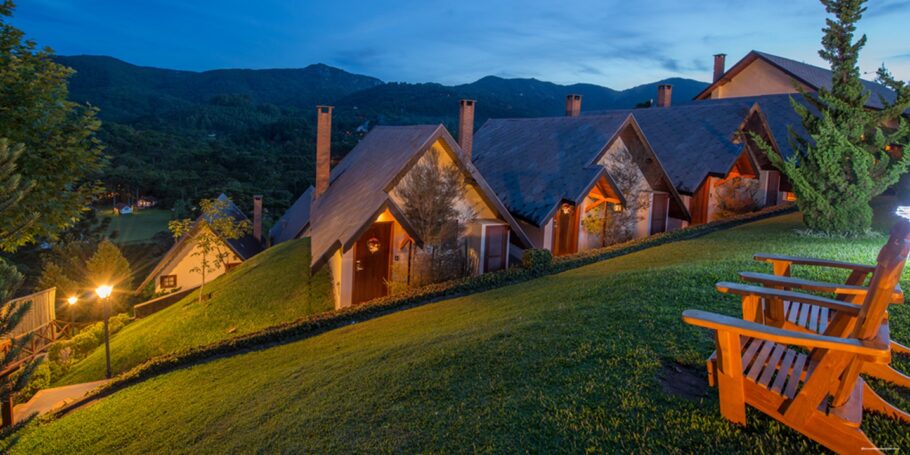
{"points": [[7, 411]]}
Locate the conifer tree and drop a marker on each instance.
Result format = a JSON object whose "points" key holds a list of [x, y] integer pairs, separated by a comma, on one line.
{"points": [[853, 153], [60, 155]]}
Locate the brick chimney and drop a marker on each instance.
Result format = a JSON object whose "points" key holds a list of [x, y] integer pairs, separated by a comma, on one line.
{"points": [[257, 217], [720, 61], [466, 127], [664, 94], [573, 105], [323, 148]]}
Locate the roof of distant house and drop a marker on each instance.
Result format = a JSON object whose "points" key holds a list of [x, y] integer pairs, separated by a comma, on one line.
{"points": [[534, 164], [295, 220]]}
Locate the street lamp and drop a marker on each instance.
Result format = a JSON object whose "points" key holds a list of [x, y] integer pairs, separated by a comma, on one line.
{"points": [[72, 311], [104, 292]]}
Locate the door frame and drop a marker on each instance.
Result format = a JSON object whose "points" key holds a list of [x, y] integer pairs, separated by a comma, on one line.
{"points": [[483, 244], [576, 226]]}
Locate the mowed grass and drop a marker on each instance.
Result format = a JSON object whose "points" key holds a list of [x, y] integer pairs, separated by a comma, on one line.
{"points": [[140, 226], [271, 288], [584, 361]]}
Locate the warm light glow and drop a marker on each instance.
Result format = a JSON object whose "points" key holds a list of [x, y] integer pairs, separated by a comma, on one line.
{"points": [[903, 212], [104, 291], [72, 300], [617, 207], [566, 209]]}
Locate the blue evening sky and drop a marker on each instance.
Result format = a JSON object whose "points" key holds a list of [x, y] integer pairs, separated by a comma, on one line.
{"points": [[617, 43]]}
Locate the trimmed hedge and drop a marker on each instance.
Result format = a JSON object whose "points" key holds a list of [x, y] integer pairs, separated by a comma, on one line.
{"points": [[320, 323]]}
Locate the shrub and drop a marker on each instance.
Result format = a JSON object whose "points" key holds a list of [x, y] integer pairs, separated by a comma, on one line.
{"points": [[40, 379], [63, 354], [536, 260]]}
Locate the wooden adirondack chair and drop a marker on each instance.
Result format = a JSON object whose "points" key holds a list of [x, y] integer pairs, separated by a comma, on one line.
{"points": [[816, 318], [816, 390]]}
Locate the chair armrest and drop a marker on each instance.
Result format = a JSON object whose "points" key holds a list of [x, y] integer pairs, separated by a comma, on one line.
{"points": [[747, 290], [772, 258], [874, 349], [768, 279]]}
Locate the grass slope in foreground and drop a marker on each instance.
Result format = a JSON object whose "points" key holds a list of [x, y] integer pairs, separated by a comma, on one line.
{"points": [[271, 288], [581, 361]]}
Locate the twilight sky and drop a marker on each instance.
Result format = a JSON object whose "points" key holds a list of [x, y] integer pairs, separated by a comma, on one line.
{"points": [[616, 43]]}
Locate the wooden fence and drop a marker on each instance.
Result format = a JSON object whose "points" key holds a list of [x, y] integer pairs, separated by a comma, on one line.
{"points": [[42, 312]]}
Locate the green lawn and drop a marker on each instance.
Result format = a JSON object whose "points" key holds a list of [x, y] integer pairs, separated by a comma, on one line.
{"points": [[588, 360], [140, 226], [271, 288]]}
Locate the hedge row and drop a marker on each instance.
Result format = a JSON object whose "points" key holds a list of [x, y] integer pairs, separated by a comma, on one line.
{"points": [[539, 264]]}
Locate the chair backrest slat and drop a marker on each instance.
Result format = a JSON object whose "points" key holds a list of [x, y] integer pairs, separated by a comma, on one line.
{"points": [[888, 270]]}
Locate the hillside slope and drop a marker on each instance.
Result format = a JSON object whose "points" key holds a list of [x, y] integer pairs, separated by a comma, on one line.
{"points": [[592, 360], [271, 288]]}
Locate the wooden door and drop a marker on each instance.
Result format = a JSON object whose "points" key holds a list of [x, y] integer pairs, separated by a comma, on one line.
{"points": [[565, 230], [496, 248], [698, 205], [660, 204], [372, 263], [773, 188]]}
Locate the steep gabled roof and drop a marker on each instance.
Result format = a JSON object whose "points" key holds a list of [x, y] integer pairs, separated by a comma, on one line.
{"points": [[810, 75], [245, 247], [360, 186], [536, 163], [295, 220], [779, 114], [695, 141]]}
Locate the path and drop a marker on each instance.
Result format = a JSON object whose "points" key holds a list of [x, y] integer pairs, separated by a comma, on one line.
{"points": [[52, 399]]}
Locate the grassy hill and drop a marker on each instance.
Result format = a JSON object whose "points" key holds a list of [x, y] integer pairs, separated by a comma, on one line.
{"points": [[596, 359], [271, 288]]}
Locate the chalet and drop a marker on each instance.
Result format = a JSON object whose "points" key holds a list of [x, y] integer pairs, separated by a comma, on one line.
{"points": [[356, 215], [708, 152], [553, 173], [175, 270], [146, 202], [760, 73]]}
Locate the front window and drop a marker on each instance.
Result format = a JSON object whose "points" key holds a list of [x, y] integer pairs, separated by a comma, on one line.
{"points": [[168, 281]]}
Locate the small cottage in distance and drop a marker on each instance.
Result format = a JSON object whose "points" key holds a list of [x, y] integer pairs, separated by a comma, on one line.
{"points": [[175, 270]]}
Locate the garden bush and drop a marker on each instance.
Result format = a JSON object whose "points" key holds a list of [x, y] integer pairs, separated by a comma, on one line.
{"points": [[536, 260]]}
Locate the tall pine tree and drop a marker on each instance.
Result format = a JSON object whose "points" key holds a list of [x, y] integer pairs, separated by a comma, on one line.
{"points": [[853, 153]]}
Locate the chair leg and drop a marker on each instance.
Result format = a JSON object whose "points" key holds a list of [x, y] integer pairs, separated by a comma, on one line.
{"points": [[873, 402], [899, 348], [887, 373]]}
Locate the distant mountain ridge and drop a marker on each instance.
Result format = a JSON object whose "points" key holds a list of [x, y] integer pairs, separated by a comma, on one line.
{"points": [[184, 135], [126, 92]]}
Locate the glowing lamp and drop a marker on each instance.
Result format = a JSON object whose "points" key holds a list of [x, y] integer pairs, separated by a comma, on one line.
{"points": [[104, 291], [617, 207], [566, 209], [72, 300]]}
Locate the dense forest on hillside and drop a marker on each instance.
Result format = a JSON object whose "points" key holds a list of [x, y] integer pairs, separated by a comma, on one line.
{"points": [[180, 135]]}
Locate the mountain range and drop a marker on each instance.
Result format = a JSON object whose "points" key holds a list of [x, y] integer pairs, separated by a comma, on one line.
{"points": [[127, 93], [184, 135]]}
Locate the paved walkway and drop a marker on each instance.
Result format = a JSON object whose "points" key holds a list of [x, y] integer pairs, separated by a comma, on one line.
{"points": [[52, 399]]}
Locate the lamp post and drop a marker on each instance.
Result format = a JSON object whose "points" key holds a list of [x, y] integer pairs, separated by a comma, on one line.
{"points": [[72, 309], [104, 292]]}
